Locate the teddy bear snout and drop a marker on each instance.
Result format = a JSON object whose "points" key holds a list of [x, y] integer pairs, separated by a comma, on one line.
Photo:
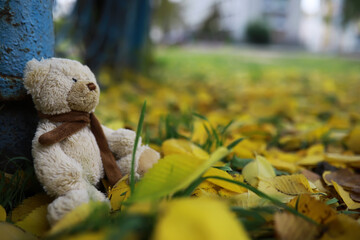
{"points": [[91, 86]]}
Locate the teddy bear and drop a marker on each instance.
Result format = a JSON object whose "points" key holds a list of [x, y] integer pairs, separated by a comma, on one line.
{"points": [[72, 151]]}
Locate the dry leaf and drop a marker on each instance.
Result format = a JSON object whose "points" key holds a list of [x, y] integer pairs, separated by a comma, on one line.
{"points": [[257, 169], [2, 214], [342, 228], [35, 222], [119, 193], [226, 185], [314, 209], [182, 146], [197, 218], [345, 195], [12, 232], [291, 227], [28, 205], [353, 140], [292, 184]]}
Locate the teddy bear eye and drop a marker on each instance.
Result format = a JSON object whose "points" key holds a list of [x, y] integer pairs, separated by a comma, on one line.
{"points": [[74, 79]]}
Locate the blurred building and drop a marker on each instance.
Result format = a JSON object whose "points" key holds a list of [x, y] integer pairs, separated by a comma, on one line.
{"points": [[314, 24]]}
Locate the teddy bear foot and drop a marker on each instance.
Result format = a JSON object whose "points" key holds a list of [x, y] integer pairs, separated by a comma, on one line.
{"points": [[72, 199]]}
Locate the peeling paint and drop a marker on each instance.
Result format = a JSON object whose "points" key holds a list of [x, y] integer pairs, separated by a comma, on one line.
{"points": [[26, 32]]}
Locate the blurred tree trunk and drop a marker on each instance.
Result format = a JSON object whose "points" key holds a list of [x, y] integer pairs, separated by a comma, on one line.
{"points": [[112, 32]]}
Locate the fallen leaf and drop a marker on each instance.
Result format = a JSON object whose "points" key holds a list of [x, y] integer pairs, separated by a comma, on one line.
{"points": [[119, 193], [292, 184], [11, 232], [314, 209], [342, 228], [182, 146], [353, 139], [226, 185], [288, 226], [28, 205], [2, 214], [173, 173], [35, 222], [345, 178], [345, 196], [198, 218], [259, 168]]}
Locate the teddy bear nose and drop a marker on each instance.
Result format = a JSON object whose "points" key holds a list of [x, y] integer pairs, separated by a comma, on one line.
{"points": [[91, 86]]}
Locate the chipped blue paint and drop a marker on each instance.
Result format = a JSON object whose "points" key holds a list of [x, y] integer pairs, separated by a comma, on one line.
{"points": [[26, 32]]}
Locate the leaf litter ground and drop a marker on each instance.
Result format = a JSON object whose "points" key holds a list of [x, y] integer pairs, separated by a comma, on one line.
{"points": [[254, 145]]}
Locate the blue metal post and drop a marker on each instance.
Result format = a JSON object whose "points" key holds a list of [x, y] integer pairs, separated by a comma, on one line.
{"points": [[26, 32]]}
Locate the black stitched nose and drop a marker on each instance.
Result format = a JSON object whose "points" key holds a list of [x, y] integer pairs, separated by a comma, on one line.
{"points": [[91, 86]]}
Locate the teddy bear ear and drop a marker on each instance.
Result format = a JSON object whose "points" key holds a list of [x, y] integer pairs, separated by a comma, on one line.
{"points": [[31, 72]]}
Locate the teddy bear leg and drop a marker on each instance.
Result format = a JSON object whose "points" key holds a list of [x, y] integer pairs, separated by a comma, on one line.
{"points": [[64, 204], [68, 202]]}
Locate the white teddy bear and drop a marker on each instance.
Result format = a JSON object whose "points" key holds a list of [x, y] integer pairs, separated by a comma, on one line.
{"points": [[70, 148]]}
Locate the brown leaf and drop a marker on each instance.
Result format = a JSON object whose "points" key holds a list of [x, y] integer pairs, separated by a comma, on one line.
{"points": [[289, 226]]}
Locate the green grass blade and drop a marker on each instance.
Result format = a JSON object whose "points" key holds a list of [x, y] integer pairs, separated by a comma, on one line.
{"points": [[138, 134]]}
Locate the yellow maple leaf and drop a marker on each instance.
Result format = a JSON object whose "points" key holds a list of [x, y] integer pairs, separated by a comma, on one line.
{"points": [[198, 218]]}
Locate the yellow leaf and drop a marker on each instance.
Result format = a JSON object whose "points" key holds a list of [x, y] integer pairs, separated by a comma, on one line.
{"points": [[283, 165], [292, 184], [314, 209], [339, 158], [78, 215], [342, 228], [259, 168], [198, 218], [173, 173], [182, 146], [28, 205], [345, 195], [11, 232], [2, 214], [205, 188], [353, 140], [35, 222], [226, 185], [267, 187], [119, 193], [247, 200], [289, 226], [88, 236]]}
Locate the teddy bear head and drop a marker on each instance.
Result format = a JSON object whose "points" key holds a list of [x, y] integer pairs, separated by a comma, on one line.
{"points": [[61, 85]]}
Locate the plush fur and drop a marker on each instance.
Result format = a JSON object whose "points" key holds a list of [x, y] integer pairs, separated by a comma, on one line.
{"points": [[69, 170]]}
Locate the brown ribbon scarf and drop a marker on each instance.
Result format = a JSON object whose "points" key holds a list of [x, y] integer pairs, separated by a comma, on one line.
{"points": [[73, 122]]}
